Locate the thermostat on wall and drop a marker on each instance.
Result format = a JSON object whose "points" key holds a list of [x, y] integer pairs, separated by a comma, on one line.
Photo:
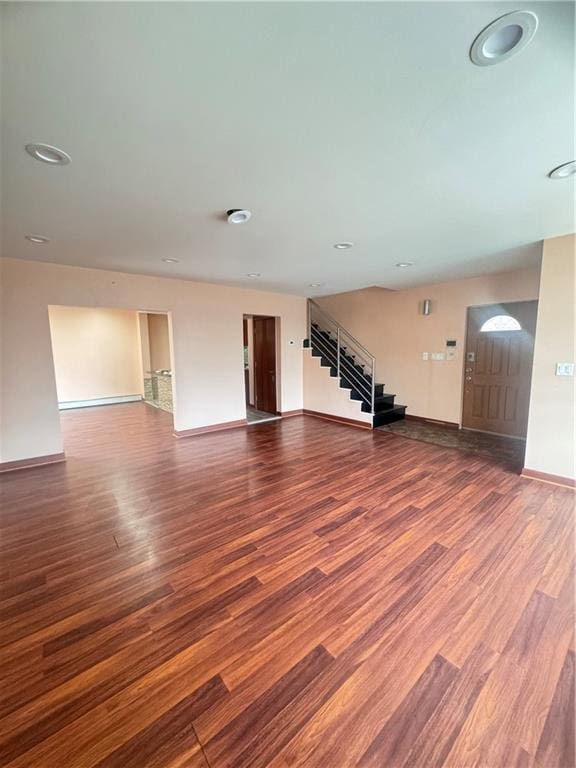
{"points": [[450, 342]]}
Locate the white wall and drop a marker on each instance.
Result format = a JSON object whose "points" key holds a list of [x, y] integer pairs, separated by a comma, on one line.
{"points": [[96, 353], [550, 445], [323, 394], [206, 323]]}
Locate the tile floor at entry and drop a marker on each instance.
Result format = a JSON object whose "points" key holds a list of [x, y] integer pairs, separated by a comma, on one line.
{"points": [[509, 451], [254, 415]]}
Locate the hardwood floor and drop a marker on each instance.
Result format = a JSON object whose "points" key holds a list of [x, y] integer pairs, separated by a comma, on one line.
{"points": [[298, 593]]}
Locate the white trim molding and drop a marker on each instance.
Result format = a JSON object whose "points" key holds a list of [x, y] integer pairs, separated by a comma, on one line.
{"points": [[64, 406]]}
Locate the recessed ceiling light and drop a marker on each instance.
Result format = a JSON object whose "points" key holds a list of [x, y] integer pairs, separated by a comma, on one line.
{"points": [[564, 171], [405, 264], [238, 216], [170, 261], [315, 285], [38, 239], [343, 246], [504, 38], [254, 274], [48, 154]]}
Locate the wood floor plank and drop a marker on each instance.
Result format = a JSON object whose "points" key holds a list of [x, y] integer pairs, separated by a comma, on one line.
{"points": [[557, 744], [298, 593]]}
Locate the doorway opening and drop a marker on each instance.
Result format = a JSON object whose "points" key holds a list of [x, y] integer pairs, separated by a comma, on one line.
{"points": [[498, 368], [156, 354], [261, 379], [110, 361]]}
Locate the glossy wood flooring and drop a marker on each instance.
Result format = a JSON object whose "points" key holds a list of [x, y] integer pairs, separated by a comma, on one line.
{"points": [[298, 593]]}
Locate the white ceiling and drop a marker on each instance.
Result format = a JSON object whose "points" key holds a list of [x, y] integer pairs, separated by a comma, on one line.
{"points": [[330, 121]]}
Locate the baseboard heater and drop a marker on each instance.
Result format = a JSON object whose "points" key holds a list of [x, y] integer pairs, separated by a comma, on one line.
{"points": [[64, 406]]}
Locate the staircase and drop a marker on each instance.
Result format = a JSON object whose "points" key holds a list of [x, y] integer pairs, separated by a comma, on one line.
{"points": [[351, 364]]}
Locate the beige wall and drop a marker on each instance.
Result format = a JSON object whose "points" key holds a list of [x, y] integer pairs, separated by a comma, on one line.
{"points": [[251, 387], [144, 342], [206, 343], [551, 438], [323, 394], [96, 353], [389, 324], [159, 337]]}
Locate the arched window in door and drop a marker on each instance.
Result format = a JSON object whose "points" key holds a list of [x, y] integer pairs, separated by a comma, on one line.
{"points": [[501, 323]]}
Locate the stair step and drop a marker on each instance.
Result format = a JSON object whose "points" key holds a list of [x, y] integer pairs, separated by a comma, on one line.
{"points": [[381, 403], [354, 378], [325, 341], [361, 397], [387, 417]]}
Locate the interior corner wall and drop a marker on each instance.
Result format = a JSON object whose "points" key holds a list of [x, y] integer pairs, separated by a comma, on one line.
{"points": [[159, 337], [144, 343], [207, 345], [96, 352], [550, 445], [390, 325]]}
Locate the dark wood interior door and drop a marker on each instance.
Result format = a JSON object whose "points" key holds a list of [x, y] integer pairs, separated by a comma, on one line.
{"points": [[498, 368], [265, 364]]}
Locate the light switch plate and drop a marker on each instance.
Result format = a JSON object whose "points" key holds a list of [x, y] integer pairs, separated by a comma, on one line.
{"points": [[424, 355], [450, 355], [438, 356], [564, 369]]}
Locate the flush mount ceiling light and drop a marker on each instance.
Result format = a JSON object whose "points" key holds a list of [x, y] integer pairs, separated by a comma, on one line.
{"points": [[38, 239], [342, 246], [316, 285], [563, 171], [170, 261], [254, 274], [405, 264], [48, 154], [504, 38], [238, 216]]}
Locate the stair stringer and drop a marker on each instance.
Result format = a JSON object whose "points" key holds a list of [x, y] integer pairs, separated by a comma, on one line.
{"points": [[323, 393]]}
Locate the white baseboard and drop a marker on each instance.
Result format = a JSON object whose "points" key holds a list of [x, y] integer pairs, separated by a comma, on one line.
{"points": [[98, 401]]}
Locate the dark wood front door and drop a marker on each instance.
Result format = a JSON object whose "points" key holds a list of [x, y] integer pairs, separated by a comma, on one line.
{"points": [[265, 364], [498, 367]]}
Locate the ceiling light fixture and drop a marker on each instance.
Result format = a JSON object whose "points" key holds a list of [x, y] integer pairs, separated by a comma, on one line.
{"points": [[316, 285], [37, 239], [238, 215], [405, 264], [48, 154], [342, 246], [254, 274], [504, 38], [563, 171], [171, 261]]}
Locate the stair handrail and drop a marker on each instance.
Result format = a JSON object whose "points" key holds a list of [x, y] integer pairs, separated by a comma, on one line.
{"points": [[358, 380], [337, 324], [340, 332]]}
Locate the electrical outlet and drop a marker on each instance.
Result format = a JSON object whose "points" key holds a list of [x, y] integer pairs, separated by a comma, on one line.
{"points": [[564, 369]]}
